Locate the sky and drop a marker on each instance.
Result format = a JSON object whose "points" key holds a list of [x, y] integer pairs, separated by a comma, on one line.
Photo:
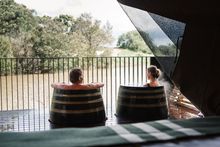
{"points": [[104, 10]]}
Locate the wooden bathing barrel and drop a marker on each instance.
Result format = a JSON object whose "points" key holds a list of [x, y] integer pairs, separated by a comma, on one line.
{"points": [[138, 103], [77, 108]]}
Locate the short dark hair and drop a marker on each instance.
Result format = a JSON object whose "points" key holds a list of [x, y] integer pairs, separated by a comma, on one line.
{"points": [[75, 75], [155, 72]]}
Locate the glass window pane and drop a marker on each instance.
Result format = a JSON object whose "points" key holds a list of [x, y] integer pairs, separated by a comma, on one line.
{"points": [[160, 34]]}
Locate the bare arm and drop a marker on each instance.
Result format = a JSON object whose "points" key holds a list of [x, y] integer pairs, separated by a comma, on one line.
{"points": [[58, 85], [77, 87], [95, 85]]}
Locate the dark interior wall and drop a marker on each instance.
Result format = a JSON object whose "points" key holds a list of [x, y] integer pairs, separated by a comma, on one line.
{"points": [[197, 72]]}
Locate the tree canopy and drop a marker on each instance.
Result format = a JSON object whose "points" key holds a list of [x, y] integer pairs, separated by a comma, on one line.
{"points": [[27, 35], [5, 47], [132, 41], [15, 18]]}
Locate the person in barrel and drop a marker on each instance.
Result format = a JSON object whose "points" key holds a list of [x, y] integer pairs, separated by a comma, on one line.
{"points": [[76, 79], [153, 73]]}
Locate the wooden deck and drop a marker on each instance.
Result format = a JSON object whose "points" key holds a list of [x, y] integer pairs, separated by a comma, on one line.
{"points": [[34, 120]]}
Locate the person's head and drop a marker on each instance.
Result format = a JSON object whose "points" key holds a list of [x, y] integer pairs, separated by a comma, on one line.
{"points": [[76, 76], [153, 72]]}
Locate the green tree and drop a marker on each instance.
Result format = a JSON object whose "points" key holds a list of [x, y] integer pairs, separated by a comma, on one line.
{"points": [[67, 22], [166, 50], [5, 52], [15, 18], [17, 22], [22, 45], [161, 50], [34, 36], [50, 39], [90, 35], [133, 41], [5, 47]]}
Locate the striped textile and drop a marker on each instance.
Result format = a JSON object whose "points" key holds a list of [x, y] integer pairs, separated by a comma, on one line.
{"points": [[146, 132]]}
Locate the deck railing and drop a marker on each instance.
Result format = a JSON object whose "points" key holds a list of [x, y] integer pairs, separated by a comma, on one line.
{"points": [[26, 92]]}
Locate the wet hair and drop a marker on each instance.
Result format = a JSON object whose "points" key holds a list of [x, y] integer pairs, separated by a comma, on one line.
{"points": [[75, 75], [155, 72]]}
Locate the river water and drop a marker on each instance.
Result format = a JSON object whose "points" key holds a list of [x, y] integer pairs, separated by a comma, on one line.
{"points": [[34, 91]]}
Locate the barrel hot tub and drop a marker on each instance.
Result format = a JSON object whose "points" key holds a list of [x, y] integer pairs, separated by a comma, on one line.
{"points": [[139, 103], [77, 108]]}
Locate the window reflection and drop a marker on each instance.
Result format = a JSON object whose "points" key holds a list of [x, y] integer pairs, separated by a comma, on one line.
{"points": [[160, 34]]}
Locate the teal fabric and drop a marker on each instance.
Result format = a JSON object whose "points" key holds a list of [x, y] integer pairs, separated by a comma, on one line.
{"points": [[114, 135]]}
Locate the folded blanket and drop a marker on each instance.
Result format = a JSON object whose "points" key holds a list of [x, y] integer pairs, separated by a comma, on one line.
{"points": [[146, 132]]}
